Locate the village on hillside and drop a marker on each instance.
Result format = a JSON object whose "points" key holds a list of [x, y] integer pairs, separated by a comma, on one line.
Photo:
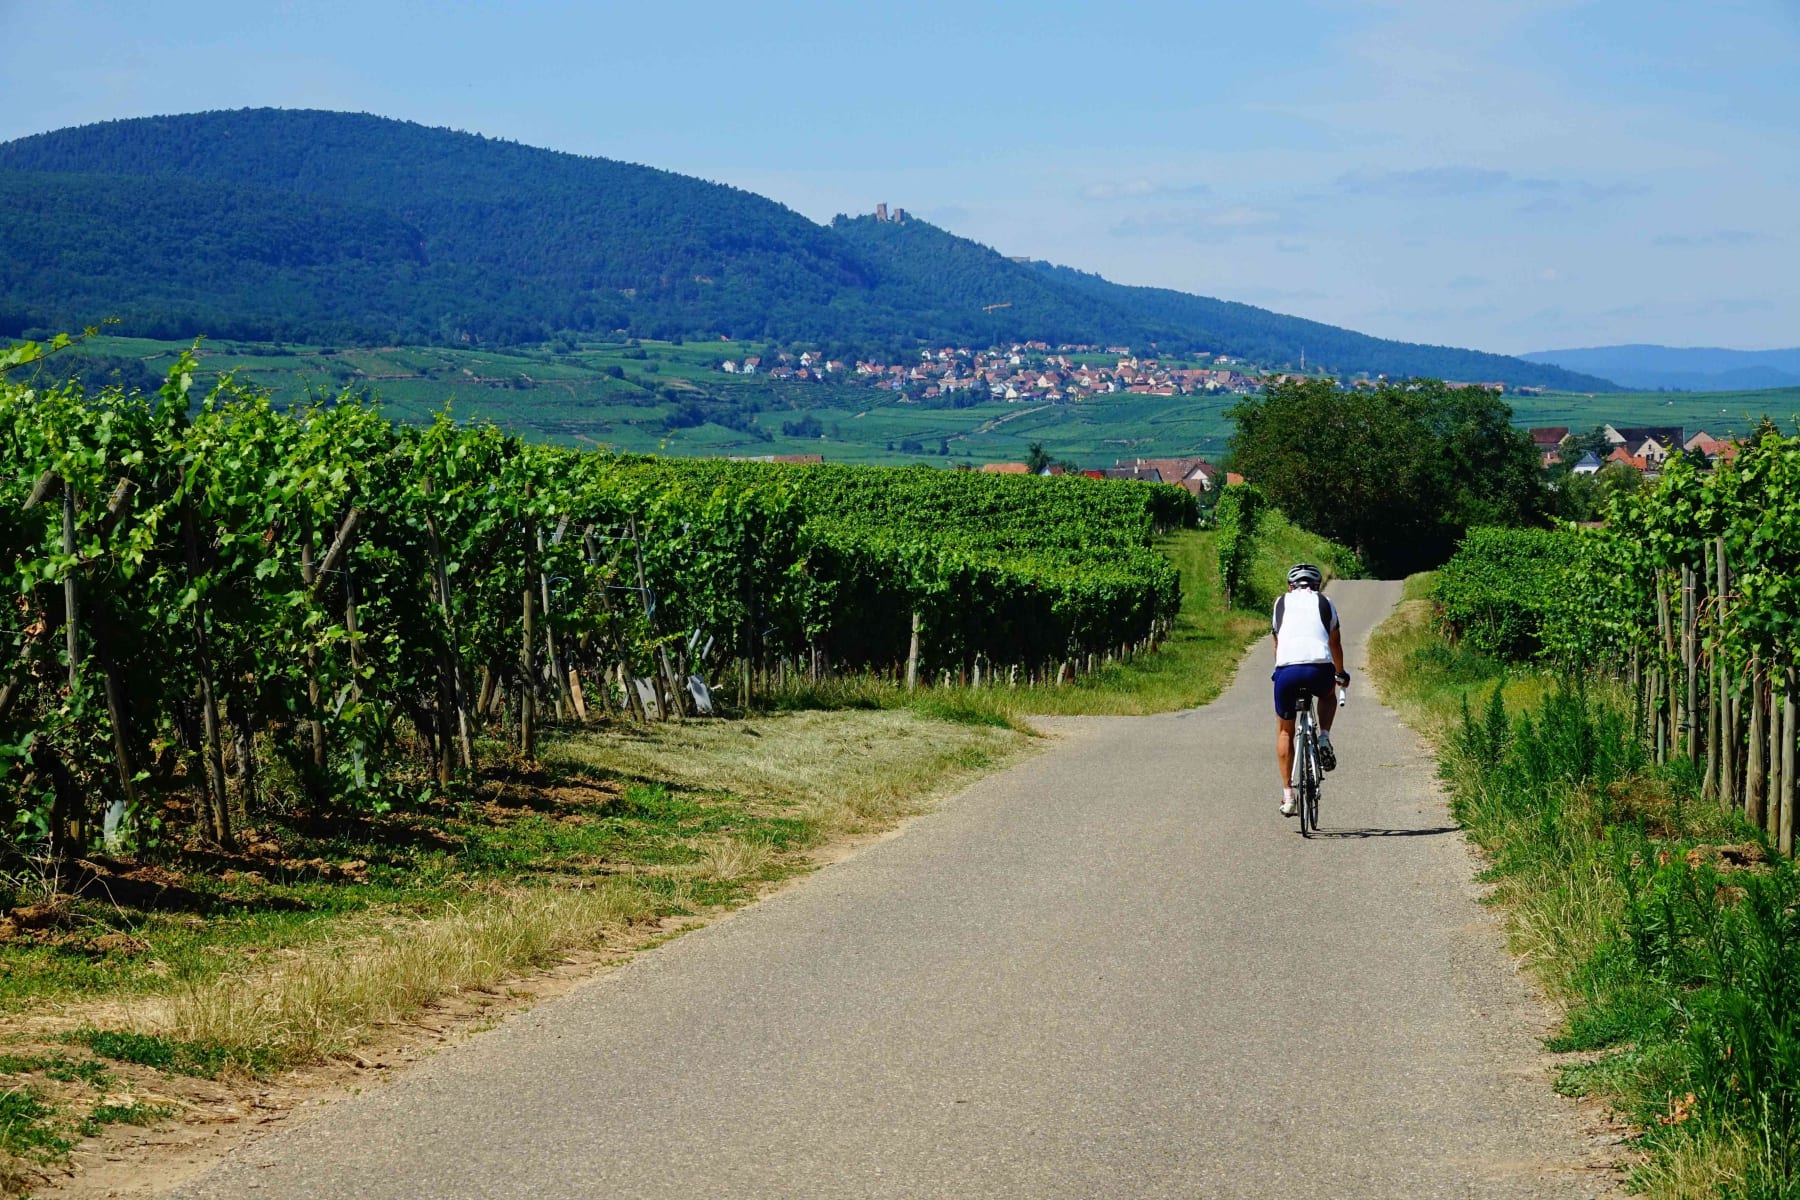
{"points": [[1019, 372]]}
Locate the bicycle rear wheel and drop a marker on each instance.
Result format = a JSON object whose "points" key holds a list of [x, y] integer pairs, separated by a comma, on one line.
{"points": [[1307, 793]]}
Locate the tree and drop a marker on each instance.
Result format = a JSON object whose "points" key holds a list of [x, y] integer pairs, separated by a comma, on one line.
{"points": [[1574, 445], [1616, 479], [1037, 458], [1397, 472]]}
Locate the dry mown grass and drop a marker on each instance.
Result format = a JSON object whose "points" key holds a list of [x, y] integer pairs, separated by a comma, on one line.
{"points": [[836, 773], [328, 998], [624, 835]]}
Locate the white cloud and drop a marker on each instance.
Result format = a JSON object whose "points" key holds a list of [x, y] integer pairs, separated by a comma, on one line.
{"points": [[1202, 224], [1109, 190]]}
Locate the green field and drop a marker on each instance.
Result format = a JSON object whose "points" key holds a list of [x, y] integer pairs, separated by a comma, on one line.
{"points": [[1718, 413], [622, 396]]}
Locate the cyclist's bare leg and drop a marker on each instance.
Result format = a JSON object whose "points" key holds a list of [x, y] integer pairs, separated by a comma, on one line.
{"points": [[1327, 708], [1284, 748]]}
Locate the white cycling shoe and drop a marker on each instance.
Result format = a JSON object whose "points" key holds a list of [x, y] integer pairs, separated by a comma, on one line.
{"points": [[1289, 805]]}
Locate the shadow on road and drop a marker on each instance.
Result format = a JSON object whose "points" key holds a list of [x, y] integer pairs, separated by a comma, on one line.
{"points": [[1375, 833]]}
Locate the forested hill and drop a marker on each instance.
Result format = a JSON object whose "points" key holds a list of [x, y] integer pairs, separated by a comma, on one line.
{"points": [[337, 227]]}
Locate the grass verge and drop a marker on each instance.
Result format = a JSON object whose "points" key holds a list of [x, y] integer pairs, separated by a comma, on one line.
{"points": [[1662, 925], [327, 927]]}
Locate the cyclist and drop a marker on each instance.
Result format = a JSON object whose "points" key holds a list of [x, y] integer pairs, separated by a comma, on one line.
{"points": [[1309, 655]]}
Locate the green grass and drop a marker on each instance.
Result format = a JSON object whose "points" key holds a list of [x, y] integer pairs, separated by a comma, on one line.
{"points": [[1675, 969], [158, 1053], [59, 1067], [30, 1130], [259, 966], [135, 1113], [40, 1125]]}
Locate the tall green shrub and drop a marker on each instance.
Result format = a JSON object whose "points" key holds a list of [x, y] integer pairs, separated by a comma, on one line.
{"points": [[1502, 586]]}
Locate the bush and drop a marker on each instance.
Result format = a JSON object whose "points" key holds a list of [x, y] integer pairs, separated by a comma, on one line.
{"points": [[1238, 513], [1500, 587]]}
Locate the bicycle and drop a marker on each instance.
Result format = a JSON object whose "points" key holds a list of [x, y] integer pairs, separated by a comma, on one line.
{"points": [[1307, 773]]}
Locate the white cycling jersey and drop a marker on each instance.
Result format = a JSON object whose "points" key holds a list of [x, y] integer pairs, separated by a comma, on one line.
{"points": [[1302, 622]]}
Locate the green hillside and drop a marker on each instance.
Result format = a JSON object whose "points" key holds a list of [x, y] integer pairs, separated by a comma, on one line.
{"points": [[343, 228]]}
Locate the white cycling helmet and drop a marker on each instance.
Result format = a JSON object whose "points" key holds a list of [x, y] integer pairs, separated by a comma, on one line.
{"points": [[1306, 575]]}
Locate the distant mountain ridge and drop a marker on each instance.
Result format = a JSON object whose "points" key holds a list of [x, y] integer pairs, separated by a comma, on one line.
{"points": [[294, 225], [1683, 369]]}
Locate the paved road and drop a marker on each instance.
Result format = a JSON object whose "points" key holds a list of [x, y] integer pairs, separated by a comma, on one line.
{"points": [[1114, 970]]}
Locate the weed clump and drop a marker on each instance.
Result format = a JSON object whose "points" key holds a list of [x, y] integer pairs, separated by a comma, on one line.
{"points": [[205, 1060]]}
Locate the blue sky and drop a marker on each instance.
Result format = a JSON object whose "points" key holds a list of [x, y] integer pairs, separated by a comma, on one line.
{"points": [[1512, 176]]}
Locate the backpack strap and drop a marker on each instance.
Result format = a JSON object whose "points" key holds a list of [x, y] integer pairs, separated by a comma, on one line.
{"points": [[1325, 613]]}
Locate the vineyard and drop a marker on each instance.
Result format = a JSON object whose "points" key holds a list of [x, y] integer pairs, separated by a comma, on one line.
{"points": [[1637, 801], [218, 602], [1690, 594]]}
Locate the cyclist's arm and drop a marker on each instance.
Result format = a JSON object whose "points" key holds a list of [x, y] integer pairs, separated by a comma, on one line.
{"points": [[1337, 650]]}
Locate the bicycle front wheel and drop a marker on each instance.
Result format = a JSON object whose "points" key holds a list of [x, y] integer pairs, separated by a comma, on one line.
{"points": [[1311, 804]]}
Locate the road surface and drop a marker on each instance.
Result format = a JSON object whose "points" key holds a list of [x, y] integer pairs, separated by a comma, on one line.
{"points": [[1112, 971]]}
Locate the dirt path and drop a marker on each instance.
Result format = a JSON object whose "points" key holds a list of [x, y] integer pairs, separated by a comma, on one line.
{"points": [[1113, 970]]}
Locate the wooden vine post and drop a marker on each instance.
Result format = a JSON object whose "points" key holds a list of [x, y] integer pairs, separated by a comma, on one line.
{"points": [[217, 810], [62, 820], [459, 686], [1709, 787], [1756, 776], [1690, 649], [912, 653], [315, 728], [1777, 686], [665, 683], [527, 647], [1728, 776], [1789, 734]]}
